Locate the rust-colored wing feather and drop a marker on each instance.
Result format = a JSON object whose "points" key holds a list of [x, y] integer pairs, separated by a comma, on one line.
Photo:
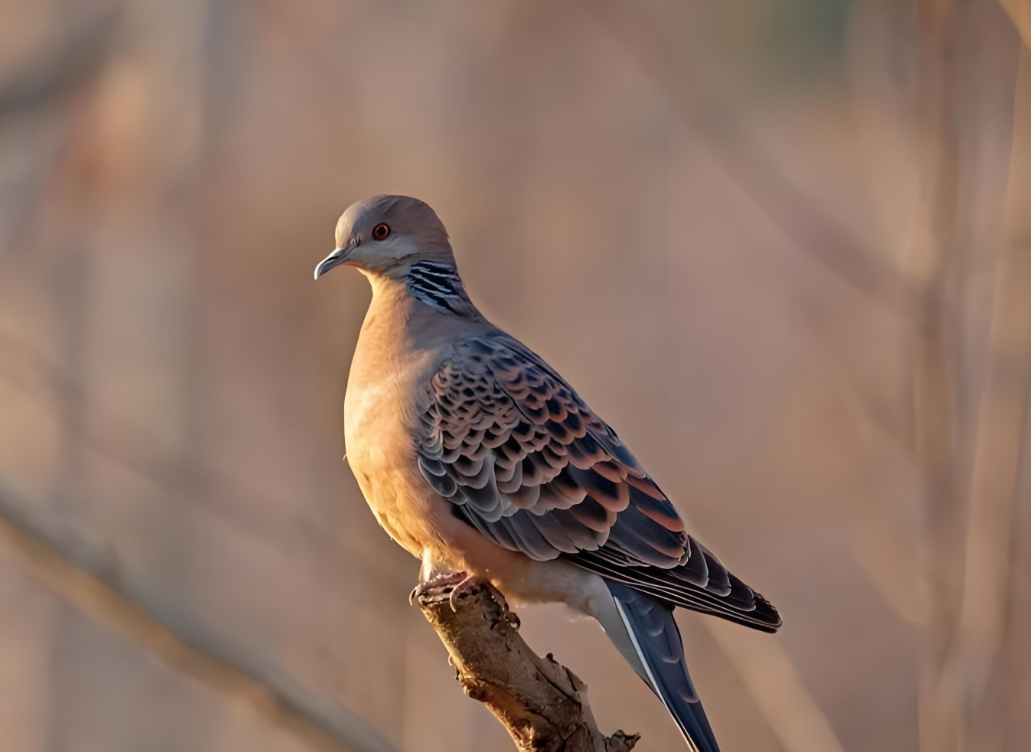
{"points": [[528, 464]]}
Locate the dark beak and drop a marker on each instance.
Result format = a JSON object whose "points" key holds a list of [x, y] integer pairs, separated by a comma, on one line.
{"points": [[337, 257]]}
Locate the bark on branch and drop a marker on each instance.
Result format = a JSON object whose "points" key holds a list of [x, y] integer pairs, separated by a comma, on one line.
{"points": [[542, 704]]}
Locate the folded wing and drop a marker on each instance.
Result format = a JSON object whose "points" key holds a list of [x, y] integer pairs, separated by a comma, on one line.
{"points": [[528, 464]]}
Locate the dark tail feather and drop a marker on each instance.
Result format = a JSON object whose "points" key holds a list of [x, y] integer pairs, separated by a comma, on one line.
{"points": [[657, 642]]}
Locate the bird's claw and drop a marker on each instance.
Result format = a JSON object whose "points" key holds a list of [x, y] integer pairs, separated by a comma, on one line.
{"points": [[462, 584], [440, 581], [506, 613], [471, 582]]}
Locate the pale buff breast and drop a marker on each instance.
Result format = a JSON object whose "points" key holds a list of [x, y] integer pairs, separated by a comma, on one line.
{"points": [[381, 453], [382, 456], [387, 391]]}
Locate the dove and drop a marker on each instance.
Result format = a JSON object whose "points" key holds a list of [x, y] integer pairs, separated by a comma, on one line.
{"points": [[479, 459]]}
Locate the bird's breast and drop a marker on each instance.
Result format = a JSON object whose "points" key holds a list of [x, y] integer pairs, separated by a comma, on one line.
{"points": [[380, 424]]}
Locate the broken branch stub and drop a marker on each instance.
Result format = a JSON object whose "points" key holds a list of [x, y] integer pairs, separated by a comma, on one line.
{"points": [[542, 704]]}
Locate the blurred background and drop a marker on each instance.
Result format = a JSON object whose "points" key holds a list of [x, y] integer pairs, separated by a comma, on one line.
{"points": [[805, 225]]}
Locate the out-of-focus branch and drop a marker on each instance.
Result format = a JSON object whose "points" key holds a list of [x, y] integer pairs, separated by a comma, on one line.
{"points": [[776, 688], [930, 267], [136, 449], [998, 449], [542, 704], [62, 65], [90, 579], [1019, 12], [883, 553], [46, 76], [799, 216]]}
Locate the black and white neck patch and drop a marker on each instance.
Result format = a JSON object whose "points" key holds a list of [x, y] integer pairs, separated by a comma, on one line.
{"points": [[438, 286]]}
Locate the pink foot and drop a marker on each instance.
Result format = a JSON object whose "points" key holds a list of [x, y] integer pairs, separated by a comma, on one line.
{"points": [[462, 584], [441, 580]]}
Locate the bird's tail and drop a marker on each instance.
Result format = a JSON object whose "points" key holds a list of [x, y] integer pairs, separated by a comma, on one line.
{"points": [[643, 629]]}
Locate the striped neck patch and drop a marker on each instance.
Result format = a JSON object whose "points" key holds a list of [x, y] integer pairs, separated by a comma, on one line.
{"points": [[438, 286]]}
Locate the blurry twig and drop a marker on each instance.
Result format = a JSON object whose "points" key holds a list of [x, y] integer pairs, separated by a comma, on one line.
{"points": [[998, 449], [1019, 12], [136, 450], [55, 69], [776, 688], [764, 182], [542, 704], [90, 579], [887, 560], [930, 266], [62, 66]]}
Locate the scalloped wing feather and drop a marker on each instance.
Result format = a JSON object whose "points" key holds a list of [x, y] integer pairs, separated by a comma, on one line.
{"points": [[528, 464]]}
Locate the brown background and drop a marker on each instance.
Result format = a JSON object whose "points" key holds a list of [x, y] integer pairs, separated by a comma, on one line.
{"points": [[778, 245]]}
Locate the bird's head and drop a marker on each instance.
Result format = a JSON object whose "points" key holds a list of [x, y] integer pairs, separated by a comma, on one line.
{"points": [[386, 235]]}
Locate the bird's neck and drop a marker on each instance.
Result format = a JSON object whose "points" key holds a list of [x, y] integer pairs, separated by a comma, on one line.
{"points": [[435, 284], [406, 309], [438, 285]]}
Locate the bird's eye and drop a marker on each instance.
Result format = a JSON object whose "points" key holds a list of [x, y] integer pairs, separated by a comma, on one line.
{"points": [[381, 231]]}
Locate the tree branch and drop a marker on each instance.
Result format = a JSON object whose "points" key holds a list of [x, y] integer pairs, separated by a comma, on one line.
{"points": [[542, 704], [798, 215], [1019, 12], [995, 485], [91, 579], [931, 265], [62, 65]]}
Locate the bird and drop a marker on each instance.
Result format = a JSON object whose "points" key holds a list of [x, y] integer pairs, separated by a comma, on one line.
{"points": [[480, 460]]}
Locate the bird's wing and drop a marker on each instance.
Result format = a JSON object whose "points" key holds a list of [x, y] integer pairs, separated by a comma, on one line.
{"points": [[528, 464]]}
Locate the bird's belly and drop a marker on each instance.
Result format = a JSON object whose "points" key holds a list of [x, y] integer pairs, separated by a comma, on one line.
{"points": [[381, 454], [399, 505], [424, 524]]}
